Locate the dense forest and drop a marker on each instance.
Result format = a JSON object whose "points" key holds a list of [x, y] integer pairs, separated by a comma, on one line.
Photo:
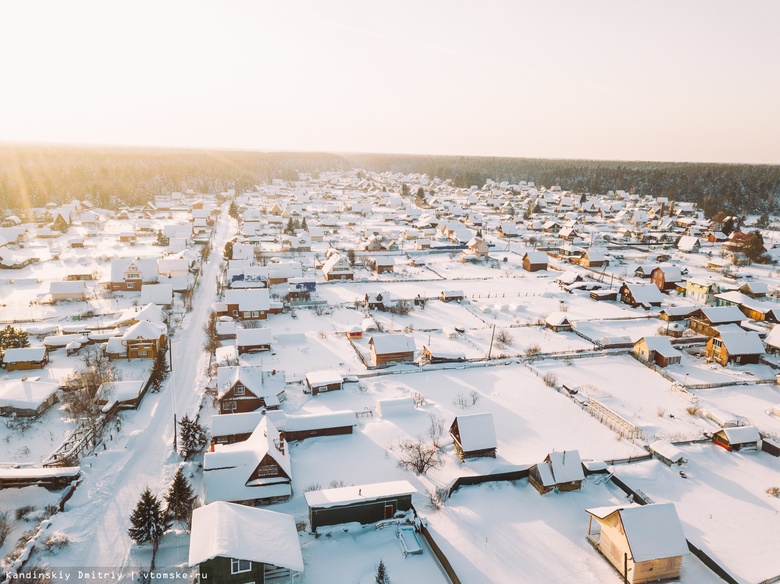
{"points": [[735, 188], [32, 175]]}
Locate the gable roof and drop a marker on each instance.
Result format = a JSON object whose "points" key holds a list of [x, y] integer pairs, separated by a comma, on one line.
{"points": [[566, 466], [653, 531], [746, 343], [228, 530], [476, 431], [393, 343]]}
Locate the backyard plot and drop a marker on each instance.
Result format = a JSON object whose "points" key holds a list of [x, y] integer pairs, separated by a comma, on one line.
{"points": [[752, 402], [723, 505], [633, 391], [633, 329], [694, 371]]}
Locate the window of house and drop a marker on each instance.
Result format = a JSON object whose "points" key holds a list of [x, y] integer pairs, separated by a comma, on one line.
{"points": [[255, 314], [131, 284], [239, 566], [247, 314], [142, 353], [238, 390], [235, 313]]}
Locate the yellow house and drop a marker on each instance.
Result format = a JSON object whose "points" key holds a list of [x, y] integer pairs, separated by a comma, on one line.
{"points": [[644, 543]]}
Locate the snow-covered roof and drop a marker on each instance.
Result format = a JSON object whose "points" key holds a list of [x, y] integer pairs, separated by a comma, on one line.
{"points": [[667, 450], [23, 354], [773, 338], [228, 530], [25, 394], [741, 434], [477, 431], [566, 466], [260, 382], [150, 312], [723, 314], [357, 494], [646, 294], [229, 467], [252, 299], [745, 343], [661, 345], [144, 330], [653, 531], [393, 343], [255, 336], [77, 287], [322, 378], [557, 319], [536, 257]]}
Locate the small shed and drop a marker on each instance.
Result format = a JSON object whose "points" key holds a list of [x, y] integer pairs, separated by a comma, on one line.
{"points": [[436, 356], [560, 471], [558, 322], [354, 332], [658, 350], [451, 295], [322, 381], [644, 543], [667, 453], [739, 438], [362, 503], [474, 436], [253, 340], [25, 358], [534, 261], [391, 349]]}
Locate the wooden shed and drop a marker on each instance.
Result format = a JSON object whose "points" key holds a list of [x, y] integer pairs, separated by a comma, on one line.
{"points": [[391, 349], [739, 438], [534, 261], [358, 504], [558, 322], [643, 543], [560, 471], [474, 436], [658, 350], [323, 381], [25, 358]]}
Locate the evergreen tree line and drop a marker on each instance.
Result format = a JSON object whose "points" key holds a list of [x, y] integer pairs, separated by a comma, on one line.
{"points": [[737, 188]]}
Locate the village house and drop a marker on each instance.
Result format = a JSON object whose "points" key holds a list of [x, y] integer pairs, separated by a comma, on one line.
{"points": [[251, 304], [253, 340], [740, 348], [534, 261], [254, 472], [129, 275], [667, 278], [249, 388], [382, 264], [452, 295], [143, 340], [559, 472], [701, 291], [26, 358], [362, 504], [642, 295], [28, 397], [474, 436], [657, 350], [558, 322], [644, 543], [235, 543], [323, 381], [67, 291], [337, 268], [593, 259], [159, 294], [391, 349], [231, 428], [738, 438], [705, 321]]}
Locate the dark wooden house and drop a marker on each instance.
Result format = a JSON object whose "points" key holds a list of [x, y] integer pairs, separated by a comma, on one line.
{"points": [[560, 472], [474, 436]]}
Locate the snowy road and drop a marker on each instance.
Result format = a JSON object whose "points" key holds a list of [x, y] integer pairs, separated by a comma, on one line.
{"points": [[97, 516]]}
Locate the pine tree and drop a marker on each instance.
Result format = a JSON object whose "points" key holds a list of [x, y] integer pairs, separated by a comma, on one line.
{"points": [[381, 574], [13, 338], [228, 252], [159, 370], [148, 523], [192, 437], [290, 229], [179, 500], [303, 224], [233, 210]]}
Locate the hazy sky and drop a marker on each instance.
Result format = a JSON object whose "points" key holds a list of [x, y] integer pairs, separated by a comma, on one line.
{"points": [[662, 80]]}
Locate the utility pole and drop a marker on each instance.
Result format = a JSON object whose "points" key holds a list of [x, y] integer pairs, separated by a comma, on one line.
{"points": [[492, 336]]}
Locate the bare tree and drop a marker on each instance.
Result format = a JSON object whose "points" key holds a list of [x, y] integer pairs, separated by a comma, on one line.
{"points": [[212, 336], [504, 338], [80, 398], [418, 455]]}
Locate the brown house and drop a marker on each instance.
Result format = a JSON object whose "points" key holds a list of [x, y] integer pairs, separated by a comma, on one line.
{"points": [[247, 304], [534, 261], [391, 349], [666, 277], [658, 350], [474, 436], [593, 259], [129, 275], [559, 472], [643, 543], [22, 359], [705, 320], [244, 389], [741, 348]]}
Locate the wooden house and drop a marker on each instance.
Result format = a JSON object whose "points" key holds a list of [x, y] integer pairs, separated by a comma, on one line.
{"points": [[477, 246], [249, 388], [641, 295], [337, 268], [667, 453], [741, 348], [27, 397], [474, 436], [701, 291], [143, 340], [375, 301], [706, 320], [253, 340], [67, 291], [643, 543], [559, 472], [254, 472], [534, 261], [772, 340], [232, 428], [689, 244], [451, 295], [382, 264], [323, 381], [354, 332], [738, 438], [435, 356], [363, 504], [234, 543], [593, 259], [250, 304], [558, 322], [658, 350], [755, 289], [25, 358], [666, 277], [391, 349]]}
